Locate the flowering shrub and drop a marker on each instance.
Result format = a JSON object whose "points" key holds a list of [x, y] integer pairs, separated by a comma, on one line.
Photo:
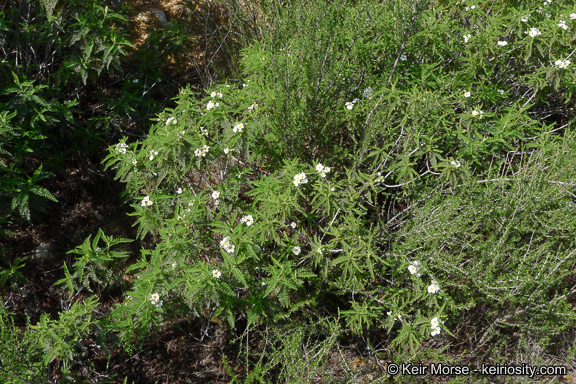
{"points": [[430, 204]]}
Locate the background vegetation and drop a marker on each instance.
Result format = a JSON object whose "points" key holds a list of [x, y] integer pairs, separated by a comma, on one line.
{"points": [[319, 189]]}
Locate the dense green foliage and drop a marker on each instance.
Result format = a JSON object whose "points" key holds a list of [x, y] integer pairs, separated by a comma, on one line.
{"points": [[373, 169]]}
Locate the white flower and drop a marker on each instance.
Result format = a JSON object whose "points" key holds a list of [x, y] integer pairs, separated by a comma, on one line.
{"points": [[533, 32], [398, 316], [213, 94], [251, 107], [293, 225], [433, 287], [230, 248], [476, 113], [238, 127], [121, 148], [225, 241], [171, 120], [300, 178], [205, 148], [219, 95], [573, 16], [135, 81], [547, 15], [455, 163], [501, 91], [368, 93], [562, 63], [349, 105], [355, 101], [215, 194], [296, 250], [319, 167], [249, 220], [216, 273], [502, 43], [154, 297], [179, 191], [217, 104], [403, 57], [174, 264], [467, 94], [435, 331], [434, 322], [226, 150], [562, 24], [146, 202], [472, 7], [210, 105], [467, 37], [244, 85], [159, 303], [203, 131], [524, 19]]}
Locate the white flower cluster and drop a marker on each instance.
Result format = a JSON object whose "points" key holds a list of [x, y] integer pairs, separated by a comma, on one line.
{"points": [[203, 131], [121, 148], [433, 287], [562, 24], [155, 299], [413, 268], [225, 243], [249, 220], [502, 43], [300, 179], [216, 273], [466, 38], [171, 120], [212, 105], [476, 113], [238, 128], [146, 202], [152, 154], [435, 326], [562, 63], [214, 94], [322, 170], [455, 163], [533, 32], [201, 151]]}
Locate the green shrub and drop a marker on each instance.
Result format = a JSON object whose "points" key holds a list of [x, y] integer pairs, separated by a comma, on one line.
{"points": [[20, 354], [391, 157]]}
